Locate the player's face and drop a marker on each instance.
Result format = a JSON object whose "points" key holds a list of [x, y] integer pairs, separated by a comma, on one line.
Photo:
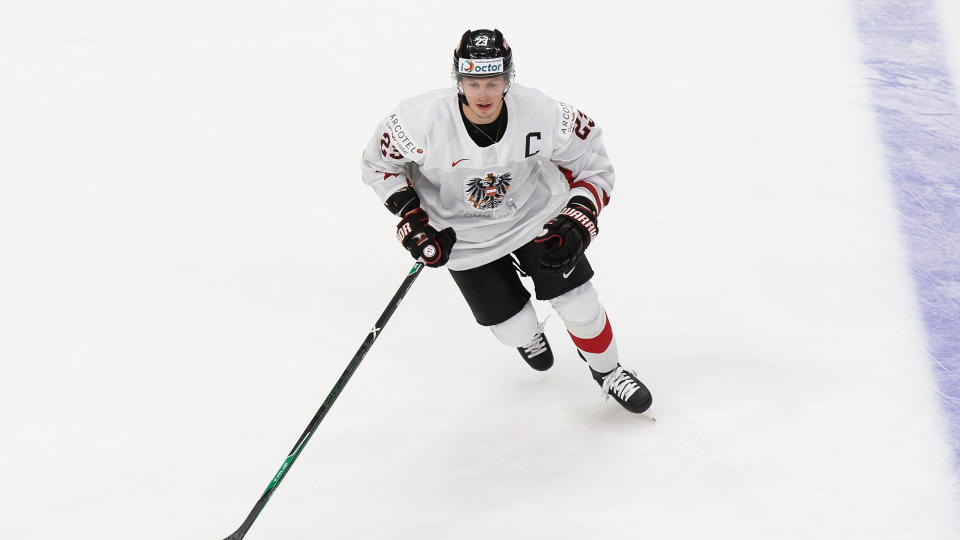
{"points": [[484, 98]]}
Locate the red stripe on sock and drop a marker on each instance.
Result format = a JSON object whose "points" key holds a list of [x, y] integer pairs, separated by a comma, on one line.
{"points": [[596, 344]]}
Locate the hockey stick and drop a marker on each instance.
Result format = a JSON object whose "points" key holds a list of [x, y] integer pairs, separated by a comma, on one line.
{"points": [[327, 403]]}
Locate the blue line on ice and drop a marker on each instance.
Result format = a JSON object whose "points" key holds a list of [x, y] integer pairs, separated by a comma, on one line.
{"points": [[915, 104]]}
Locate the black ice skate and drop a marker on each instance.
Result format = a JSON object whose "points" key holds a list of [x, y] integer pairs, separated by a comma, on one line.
{"points": [[537, 353], [624, 386]]}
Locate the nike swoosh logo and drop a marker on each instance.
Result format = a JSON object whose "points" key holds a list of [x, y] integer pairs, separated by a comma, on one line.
{"points": [[565, 276], [454, 164]]}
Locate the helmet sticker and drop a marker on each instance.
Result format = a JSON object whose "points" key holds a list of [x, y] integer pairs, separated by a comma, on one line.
{"points": [[485, 66]]}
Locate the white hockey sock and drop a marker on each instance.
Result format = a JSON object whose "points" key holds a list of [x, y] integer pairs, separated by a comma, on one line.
{"points": [[587, 323], [518, 330]]}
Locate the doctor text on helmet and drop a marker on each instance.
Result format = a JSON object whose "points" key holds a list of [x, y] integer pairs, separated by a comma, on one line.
{"points": [[486, 66]]}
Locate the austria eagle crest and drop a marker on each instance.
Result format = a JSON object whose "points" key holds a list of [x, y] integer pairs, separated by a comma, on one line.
{"points": [[486, 193]]}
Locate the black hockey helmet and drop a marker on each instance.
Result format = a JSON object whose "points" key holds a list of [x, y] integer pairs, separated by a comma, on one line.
{"points": [[483, 53]]}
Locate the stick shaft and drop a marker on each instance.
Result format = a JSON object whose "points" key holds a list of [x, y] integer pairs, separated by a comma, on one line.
{"points": [[327, 403]]}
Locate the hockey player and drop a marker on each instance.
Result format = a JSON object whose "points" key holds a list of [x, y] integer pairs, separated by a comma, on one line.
{"points": [[490, 179]]}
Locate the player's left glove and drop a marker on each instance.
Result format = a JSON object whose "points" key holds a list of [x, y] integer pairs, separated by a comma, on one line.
{"points": [[565, 237]]}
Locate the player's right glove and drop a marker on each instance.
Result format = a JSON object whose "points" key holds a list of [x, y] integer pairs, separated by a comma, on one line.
{"points": [[423, 241], [565, 237]]}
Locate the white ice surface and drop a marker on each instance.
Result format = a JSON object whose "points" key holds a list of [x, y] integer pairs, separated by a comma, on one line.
{"points": [[188, 260]]}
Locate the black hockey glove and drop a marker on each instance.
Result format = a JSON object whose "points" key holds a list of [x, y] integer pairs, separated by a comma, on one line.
{"points": [[423, 241], [565, 237]]}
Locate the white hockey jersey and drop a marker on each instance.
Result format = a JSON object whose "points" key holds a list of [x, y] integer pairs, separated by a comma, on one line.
{"points": [[496, 198]]}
